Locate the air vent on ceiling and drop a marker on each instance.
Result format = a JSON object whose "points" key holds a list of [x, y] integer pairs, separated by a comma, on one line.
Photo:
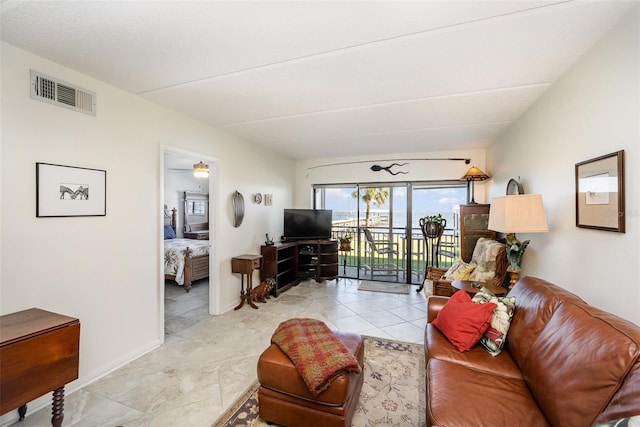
{"points": [[54, 91]]}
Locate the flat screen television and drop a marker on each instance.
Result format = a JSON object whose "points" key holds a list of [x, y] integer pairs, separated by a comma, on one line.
{"points": [[302, 224]]}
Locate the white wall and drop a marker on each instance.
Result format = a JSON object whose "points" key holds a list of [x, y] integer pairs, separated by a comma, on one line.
{"points": [[106, 271], [594, 109], [357, 170]]}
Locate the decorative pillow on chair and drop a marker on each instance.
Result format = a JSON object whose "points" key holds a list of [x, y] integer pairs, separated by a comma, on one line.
{"points": [[169, 233], [464, 322], [494, 338], [460, 270], [484, 255], [622, 422]]}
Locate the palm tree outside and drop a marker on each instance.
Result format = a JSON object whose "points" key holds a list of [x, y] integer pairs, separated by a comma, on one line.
{"points": [[370, 195]]}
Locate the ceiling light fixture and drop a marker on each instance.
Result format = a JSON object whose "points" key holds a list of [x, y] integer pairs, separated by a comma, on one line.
{"points": [[201, 170]]}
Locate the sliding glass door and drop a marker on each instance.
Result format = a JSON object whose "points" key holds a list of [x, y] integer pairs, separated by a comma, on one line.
{"points": [[381, 224], [382, 231], [444, 199]]}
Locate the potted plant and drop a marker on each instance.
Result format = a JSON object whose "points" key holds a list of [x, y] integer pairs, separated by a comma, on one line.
{"points": [[434, 224], [433, 218], [345, 243]]}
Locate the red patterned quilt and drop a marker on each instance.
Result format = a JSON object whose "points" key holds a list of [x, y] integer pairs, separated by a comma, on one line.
{"points": [[318, 355]]}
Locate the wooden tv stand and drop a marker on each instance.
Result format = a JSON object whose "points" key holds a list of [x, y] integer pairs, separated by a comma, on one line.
{"points": [[290, 262]]}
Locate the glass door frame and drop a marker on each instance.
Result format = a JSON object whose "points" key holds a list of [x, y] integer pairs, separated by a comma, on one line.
{"points": [[411, 234], [390, 230]]}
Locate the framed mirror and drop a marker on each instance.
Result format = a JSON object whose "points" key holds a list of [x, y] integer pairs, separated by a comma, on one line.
{"points": [[600, 193], [238, 208], [196, 210]]}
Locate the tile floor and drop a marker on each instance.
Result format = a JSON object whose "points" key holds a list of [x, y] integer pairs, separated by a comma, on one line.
{"points": [[208, 361]]}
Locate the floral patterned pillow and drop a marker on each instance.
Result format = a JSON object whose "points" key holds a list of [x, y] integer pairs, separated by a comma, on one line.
{"points": [[494, 338], [460, 270], [622, 422], [484, 255]]}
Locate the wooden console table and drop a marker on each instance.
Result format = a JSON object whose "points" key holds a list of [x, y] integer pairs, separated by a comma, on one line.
{"points": [[245, 264], [39, 353]]}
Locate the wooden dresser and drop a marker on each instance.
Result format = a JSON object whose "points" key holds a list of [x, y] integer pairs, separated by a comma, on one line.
{"points": [[39, 353], [197, 235]]}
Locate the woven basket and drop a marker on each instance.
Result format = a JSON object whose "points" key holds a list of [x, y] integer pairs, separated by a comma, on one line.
{"points": [[443, 289]]}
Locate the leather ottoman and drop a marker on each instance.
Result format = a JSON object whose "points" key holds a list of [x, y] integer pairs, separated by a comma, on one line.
{"points": [[284, 398]]}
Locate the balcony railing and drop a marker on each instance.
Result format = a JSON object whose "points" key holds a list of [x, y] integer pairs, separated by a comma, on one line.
{"points": [[410, 262]]}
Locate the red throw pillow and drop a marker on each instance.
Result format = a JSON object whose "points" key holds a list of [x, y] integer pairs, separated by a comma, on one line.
{"points": [[464, 322]]}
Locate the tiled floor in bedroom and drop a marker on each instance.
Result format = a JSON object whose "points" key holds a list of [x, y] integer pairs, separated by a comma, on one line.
{"points": [[207, 361]]}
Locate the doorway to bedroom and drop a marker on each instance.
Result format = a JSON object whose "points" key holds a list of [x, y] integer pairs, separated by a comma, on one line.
{"points": [[186, 289]]}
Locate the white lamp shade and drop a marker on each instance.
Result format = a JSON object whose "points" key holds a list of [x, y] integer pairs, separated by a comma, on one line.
{"points": [[518, 214]]}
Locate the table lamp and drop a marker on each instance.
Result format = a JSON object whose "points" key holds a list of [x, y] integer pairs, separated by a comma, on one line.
{"points": [[517, 214], [472, 175]]}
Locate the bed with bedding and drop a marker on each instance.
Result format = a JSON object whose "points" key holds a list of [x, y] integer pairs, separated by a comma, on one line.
{"points": [[185, 260]]}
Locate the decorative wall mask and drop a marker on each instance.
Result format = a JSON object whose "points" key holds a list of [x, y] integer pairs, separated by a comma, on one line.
{"points": [[378, 168], [238, 209]]}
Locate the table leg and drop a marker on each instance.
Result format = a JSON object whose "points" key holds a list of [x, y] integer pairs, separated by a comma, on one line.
{"points": [[58, 407], [22, 411], [426, 265], [242, 293]]}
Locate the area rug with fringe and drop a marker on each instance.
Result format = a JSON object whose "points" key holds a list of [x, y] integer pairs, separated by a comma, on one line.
{"points": [[393, 393], [392, 288]]}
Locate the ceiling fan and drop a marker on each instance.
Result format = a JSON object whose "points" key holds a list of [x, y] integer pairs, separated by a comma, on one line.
{"points": [[200, 170], [185, 164]]}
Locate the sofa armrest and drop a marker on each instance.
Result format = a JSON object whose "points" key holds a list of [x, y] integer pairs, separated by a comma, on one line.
{"points": [[434, 305]]}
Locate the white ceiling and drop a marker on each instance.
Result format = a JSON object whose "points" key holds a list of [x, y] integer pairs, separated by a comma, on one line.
{"points": [[320, 79]]}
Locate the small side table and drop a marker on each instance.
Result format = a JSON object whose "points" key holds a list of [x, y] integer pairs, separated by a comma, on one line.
{"points": [[245, 264], [472, 287]]}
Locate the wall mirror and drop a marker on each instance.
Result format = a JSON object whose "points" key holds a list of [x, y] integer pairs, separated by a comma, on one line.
{"points": [[600, 193], [196, 210], [238, 209]]}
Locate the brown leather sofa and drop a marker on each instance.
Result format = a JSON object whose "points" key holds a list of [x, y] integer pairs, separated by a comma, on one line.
{"points": [[565, 363]]}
